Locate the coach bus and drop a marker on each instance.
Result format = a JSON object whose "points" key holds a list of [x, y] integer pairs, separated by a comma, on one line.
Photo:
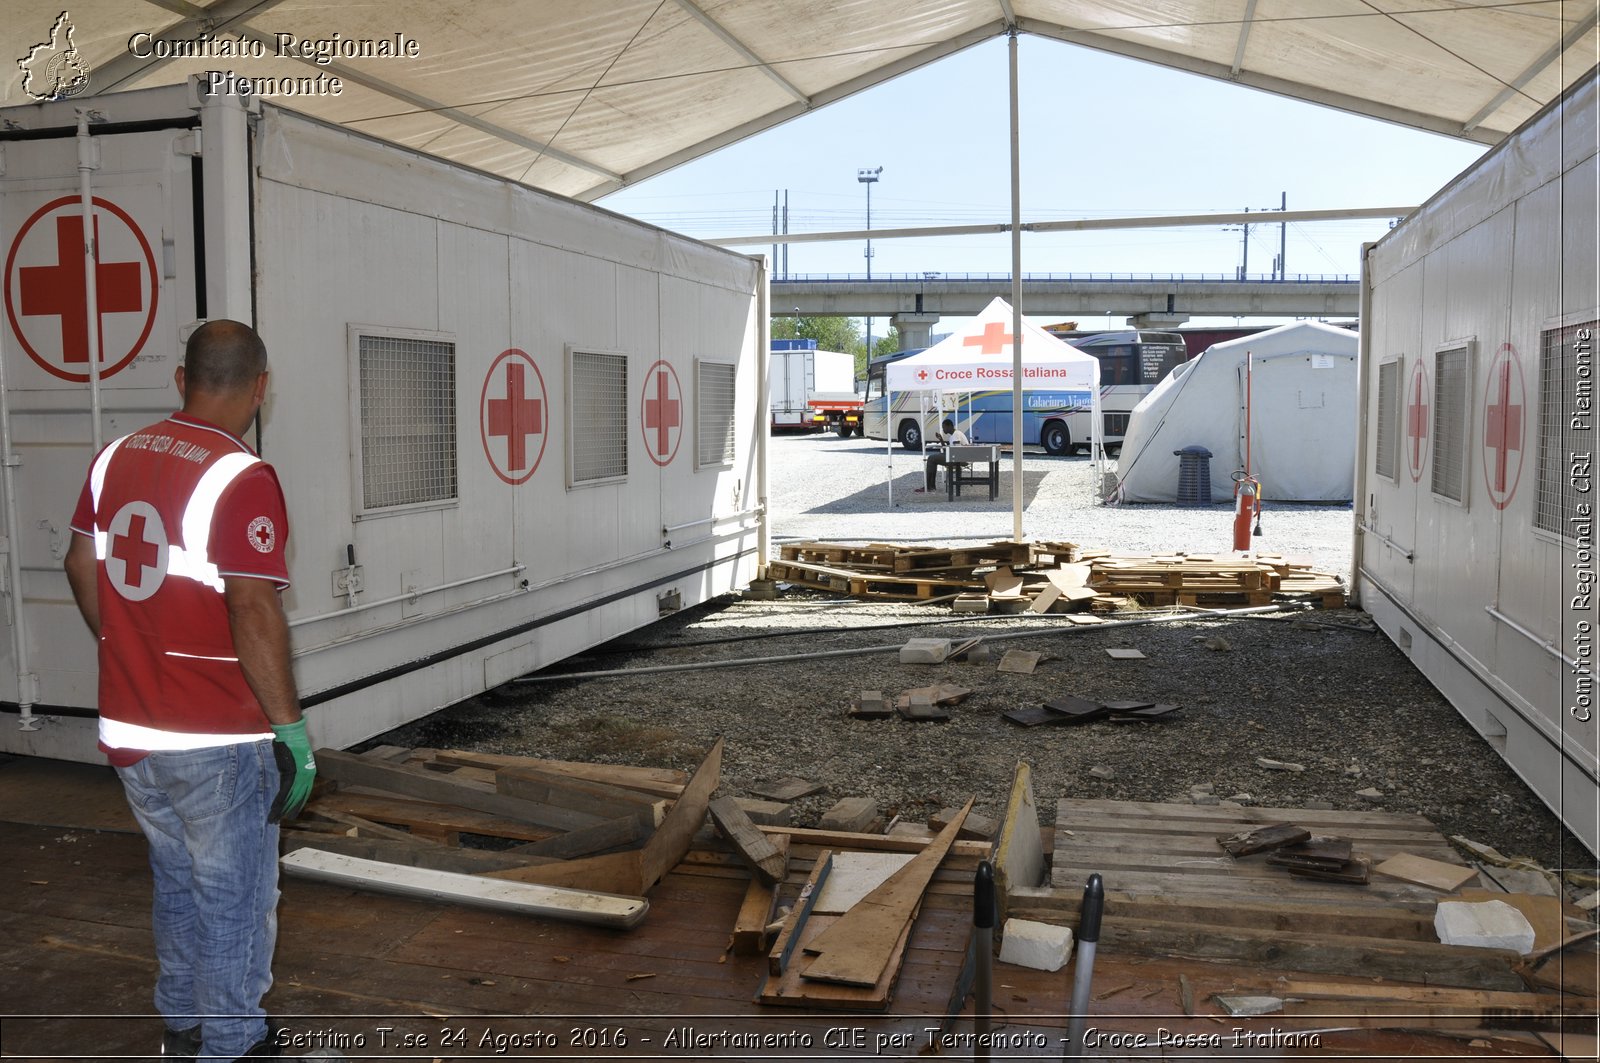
{"points": [[1131, 363]]}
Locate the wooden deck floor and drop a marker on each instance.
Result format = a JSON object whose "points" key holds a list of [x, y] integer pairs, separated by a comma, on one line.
{"points": [[391, 978]]}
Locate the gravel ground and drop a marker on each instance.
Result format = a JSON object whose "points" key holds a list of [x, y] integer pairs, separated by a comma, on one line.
{"points": [[1323, 689]]}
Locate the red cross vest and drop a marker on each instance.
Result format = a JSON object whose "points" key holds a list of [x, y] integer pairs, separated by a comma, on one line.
{"points": [[174, 509]]}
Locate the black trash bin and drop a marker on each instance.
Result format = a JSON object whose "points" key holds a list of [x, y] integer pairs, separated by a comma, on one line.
{"points": [[1194, 476]]}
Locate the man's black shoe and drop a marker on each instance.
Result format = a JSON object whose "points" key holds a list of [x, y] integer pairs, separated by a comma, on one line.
{"points": [[180, 1044]]}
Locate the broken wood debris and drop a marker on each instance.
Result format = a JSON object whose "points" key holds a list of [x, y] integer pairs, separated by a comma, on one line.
{"points": [[1050, 577]]}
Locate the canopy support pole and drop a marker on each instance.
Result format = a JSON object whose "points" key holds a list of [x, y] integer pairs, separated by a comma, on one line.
{"points": [[1017, 483], [888, 433]]}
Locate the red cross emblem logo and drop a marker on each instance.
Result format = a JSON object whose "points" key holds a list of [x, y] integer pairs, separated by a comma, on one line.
{"points": [[992, 340], [1503, 405], [511, 416], [662, 417], [922, 374], [46, 290], [136, 554], [1417, 435]]}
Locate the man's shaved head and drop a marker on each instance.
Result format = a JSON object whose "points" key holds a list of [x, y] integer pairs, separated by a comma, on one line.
{"points": [[223, 357]]}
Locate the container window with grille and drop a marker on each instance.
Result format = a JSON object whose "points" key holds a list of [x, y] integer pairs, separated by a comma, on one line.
{"points": [[1386, 451], [408, 421], [1450, 388], [1564, 451], [597, 418], [714, 428]]}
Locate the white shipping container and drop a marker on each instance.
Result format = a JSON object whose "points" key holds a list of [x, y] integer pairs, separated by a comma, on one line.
{"points": [[1475, 491], [509, 426]]}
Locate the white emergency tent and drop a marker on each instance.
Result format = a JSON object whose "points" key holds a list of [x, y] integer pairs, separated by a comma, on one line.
{"points": [[1301, 382], [980, 357]]}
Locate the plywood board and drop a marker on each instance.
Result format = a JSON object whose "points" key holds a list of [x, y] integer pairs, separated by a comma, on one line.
{"points": [[1019, 856], [1435, 874], [855, 875], [570, 905]]}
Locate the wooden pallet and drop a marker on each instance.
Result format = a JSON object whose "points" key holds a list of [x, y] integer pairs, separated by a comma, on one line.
{"points": [[1171, 890]]}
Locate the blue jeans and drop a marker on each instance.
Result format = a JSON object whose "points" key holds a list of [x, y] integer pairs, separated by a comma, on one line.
{"points": [[215, 861]]}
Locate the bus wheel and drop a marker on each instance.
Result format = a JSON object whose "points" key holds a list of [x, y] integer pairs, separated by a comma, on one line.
{"points": [[1056, 439], [910, 435]]}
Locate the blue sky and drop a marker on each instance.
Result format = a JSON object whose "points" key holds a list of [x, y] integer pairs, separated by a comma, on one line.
{"points": [[1102, 136]]}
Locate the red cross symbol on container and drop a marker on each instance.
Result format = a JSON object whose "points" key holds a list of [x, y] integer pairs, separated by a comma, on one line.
{"points": [[46, 290], [136, 560], [662, 418], [1503, 404], [1417, 422], [993, 340], [511, 416]]}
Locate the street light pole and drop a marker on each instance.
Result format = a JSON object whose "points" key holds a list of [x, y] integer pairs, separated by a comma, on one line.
{"points": [[869, 178]]}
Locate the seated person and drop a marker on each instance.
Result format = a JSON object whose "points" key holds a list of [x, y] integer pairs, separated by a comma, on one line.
{"points": [[948, 433]]}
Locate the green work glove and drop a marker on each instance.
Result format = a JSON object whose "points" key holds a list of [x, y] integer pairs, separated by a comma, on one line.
{"points": [[297, 767]]}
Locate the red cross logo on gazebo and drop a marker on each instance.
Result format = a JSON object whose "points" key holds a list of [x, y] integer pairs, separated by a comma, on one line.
{"points": [[1503, 406], [922, 374], [1417, 435], [511, 416], [136, 555], [992, 340], [46, 288], [662, 413]]}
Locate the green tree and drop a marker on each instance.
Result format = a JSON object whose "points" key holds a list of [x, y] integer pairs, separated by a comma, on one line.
{"points": [[831, 333]]}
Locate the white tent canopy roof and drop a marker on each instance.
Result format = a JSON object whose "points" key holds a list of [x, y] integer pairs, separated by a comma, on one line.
{"points": [[979, 357], [584, 98]]}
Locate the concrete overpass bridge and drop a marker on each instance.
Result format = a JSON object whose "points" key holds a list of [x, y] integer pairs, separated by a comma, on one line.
{"points": [[915, 302]]}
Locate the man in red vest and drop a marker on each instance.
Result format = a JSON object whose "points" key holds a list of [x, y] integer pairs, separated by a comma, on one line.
{"points": [[176, 565]]}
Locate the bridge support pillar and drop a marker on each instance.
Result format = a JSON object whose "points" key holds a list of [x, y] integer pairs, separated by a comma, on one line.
{"points": [[915, 329], [1158, 320]]}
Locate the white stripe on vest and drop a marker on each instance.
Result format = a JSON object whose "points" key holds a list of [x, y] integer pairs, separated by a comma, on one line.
{"points": [[188, 560]]}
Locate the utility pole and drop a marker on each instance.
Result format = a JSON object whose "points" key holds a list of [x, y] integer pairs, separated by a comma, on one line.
{"points": [[1283, 241], [1244, 254], [869, 177]]}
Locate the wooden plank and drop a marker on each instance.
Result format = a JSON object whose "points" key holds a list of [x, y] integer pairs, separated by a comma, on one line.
{"points": [[634, 873], [421, 816], [612, 834], [366, 828], [408, 781], [662, 782], [1413, 923], [579, 906], [1140, 811], [1261, 839], [1416, 961], [794, 988], [844, 839], [856, 949], [755, 914], [581, 795], [753, 847], [413, 853], [1434, 874], [789, 937]]}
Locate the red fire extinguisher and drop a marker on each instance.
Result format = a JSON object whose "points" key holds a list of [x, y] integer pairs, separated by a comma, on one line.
{"points": [[1246, 509]]}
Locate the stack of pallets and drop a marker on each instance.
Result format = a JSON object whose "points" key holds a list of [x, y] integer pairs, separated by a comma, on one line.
{"points": [[1007, 576]]}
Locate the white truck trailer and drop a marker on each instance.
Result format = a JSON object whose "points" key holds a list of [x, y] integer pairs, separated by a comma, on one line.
{"points": [[509, 426], [812, 389], [1475, 479]]}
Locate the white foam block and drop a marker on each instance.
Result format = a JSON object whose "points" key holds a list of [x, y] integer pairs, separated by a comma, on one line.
{"points": [[924, 651], [1038, 945], [1483, 925]]}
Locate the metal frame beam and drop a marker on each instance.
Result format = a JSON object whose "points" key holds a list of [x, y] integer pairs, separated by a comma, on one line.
{"points": [[194, 20], [723, 34], [1279, 86], [1244, 35], [795, 110], [1538, 66]]}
